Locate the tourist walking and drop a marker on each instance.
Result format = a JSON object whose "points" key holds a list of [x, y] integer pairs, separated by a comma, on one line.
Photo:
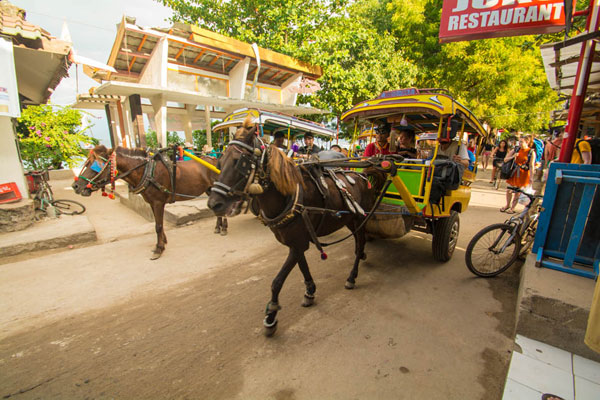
{"points": [[487, 153], [498, 154], [524, 156]]}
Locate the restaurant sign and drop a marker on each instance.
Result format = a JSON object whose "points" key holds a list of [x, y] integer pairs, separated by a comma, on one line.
{"points": [[483, 19]]}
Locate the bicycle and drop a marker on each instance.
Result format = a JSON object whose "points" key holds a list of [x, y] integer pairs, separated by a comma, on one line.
{"points": [[39, 186], [496, 247]]}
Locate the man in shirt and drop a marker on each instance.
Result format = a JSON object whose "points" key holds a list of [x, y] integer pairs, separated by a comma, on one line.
{"points": [[455, 151], [380, 145], [582, 152], [278, 138], [309, 147]]}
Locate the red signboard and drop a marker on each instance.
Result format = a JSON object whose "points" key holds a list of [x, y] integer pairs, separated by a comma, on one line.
{"points": [[483, 19]]}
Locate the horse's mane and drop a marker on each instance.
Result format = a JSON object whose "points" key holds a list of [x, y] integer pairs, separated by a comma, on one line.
{"points": [[285, 175]]}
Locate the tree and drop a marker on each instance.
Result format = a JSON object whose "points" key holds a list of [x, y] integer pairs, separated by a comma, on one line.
{"points": [[48, 138]]}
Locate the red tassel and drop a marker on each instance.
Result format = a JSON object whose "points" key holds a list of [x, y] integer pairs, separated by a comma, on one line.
{"points": [[76, 178], [323, 256], [89, 186], [104, 194], [111, 196]]}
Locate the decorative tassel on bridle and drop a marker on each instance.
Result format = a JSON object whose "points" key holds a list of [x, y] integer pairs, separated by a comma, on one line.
{"points": [[113, 174]]}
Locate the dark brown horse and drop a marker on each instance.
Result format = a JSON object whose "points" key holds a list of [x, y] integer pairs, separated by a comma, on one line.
{"points": [[152, 181], [291, 205]]}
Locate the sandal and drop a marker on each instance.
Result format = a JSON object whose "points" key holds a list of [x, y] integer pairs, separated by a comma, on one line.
{"points": [[510, 211], [503, 209]]}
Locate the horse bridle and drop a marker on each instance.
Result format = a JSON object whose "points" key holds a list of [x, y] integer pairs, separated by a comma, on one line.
{"points": [[251, 167], [95, 183]]}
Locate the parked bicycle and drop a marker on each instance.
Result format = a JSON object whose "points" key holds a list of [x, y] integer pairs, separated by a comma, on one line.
{"points": [[496, 247], [44, 198]]}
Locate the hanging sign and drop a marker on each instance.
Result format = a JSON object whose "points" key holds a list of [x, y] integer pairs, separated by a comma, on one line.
{"points": [[483, 19]]}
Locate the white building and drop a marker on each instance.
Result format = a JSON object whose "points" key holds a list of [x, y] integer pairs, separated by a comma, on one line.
{"points": [[183, 76]]}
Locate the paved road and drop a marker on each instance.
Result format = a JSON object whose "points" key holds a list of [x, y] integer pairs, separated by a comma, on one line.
{"points": [[106, 322]]}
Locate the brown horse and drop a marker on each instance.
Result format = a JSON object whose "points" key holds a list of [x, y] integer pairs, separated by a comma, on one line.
{"points": [[149, 178], [292, 206]]}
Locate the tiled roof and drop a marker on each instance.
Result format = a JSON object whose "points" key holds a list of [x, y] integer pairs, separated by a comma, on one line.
{"points": [[13, 23]]}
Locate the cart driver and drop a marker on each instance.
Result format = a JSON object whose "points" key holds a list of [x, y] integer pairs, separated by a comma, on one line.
{"points": [[381, 144], [452, 148], [278, 137]]}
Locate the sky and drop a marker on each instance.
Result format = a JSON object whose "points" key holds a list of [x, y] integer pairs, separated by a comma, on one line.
{"points": [[93, 28]]}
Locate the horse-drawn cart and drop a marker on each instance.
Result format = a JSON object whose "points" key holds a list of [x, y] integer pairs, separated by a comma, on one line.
{"points": [[426, 194]]}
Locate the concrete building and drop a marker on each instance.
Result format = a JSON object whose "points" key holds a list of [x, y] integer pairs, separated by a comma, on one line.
{"points": [[183, 76]]}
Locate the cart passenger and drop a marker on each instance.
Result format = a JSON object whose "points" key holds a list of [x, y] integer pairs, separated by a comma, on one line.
{"points": [[381, 144], [453, 150], [278, 137], [309, 147], [406, 142]]}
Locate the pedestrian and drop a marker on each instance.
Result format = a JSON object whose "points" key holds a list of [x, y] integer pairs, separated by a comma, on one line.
{"points": [[309, 147], [524, 156], [498, 154], [487, 153], [582, 152], [381, 144]]}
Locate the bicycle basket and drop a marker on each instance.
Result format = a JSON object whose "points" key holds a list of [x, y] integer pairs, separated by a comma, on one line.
{"points": [[34, 178]]}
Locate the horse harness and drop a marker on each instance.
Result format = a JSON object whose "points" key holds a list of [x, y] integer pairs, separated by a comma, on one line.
{"points": [[254, 174]]}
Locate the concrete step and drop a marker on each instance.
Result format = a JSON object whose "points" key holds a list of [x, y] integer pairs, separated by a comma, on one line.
{"points": [[48, 234], [553, 308], [179, 213]]}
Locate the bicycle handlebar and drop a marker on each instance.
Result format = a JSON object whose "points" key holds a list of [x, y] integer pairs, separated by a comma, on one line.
{"points": [[531, 196]]}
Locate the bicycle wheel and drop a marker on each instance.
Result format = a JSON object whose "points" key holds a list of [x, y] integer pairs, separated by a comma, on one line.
{"points": [[44, 198], [527, 239], [69, 207], [484, 255]]}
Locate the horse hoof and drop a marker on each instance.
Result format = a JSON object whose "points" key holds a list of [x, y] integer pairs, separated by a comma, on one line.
{"points": [[270, 330], [223, 232], [349, 285], [364, 256], [308, 301], [155, 256], [217, 231]]}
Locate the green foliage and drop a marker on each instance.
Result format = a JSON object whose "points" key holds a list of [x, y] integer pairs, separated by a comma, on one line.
{"points": [[48, 138], [172, 139]]}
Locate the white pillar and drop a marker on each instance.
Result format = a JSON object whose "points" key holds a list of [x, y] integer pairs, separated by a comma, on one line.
{"points": [[11, 169], [159, 105], [208, 127], [237, 79], [288, 97], [187, 122]]}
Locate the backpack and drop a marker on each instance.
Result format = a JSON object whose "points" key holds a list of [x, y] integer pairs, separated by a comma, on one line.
{"points": [[595, 145], [446, 176], [539, 150]]}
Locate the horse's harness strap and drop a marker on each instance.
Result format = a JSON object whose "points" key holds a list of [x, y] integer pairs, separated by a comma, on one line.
{"points": [[293, 208]]}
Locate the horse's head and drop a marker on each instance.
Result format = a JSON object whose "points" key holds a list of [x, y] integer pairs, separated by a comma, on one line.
{"points": [[248, 167], [95, 173]]}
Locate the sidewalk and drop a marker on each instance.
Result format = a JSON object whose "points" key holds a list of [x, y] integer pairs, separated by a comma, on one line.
{"points": [[540, 368]]}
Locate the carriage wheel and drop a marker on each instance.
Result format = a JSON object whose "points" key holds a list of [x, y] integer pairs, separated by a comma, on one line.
{"points": [[445, 237]]}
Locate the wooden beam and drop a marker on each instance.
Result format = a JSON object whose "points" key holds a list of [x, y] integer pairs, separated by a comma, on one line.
{"points": [[130, 53], [139, 48], [198, 56], [180, 52], [131, 64], [210, 64], [262, 74], [275, 74], [228, 63]]}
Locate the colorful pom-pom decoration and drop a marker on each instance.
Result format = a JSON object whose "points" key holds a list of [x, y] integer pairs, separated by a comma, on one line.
{"points": [[111, 196], [323, 255], [76, 178], [89, 186]]}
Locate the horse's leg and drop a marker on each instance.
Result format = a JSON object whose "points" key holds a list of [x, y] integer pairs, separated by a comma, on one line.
{"points": [[270, 322], [311, 288], [218, 226], [158, 208], [224, 227], [359, 247]]}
